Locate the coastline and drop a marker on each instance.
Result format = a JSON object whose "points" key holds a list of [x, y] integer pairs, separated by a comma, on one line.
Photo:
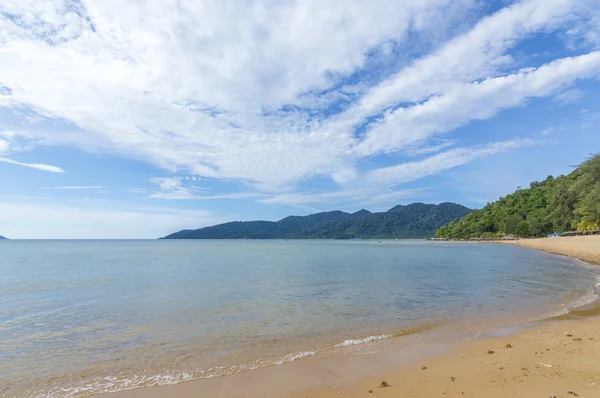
{"points": [[553, 357], [584, 248]]}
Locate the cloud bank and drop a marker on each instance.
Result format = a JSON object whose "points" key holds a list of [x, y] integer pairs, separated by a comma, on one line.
{"points": [[272, 95]]}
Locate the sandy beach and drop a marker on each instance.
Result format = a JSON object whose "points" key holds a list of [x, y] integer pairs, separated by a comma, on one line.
{"points": [[586, 248], [557, 359], [550, 358]]}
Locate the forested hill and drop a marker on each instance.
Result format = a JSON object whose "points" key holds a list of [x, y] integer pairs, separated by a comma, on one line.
{"points": [[570, 202], [416, 220]]}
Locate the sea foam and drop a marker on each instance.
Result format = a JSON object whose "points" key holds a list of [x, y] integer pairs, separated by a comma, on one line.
{"points": [[368, 339]]}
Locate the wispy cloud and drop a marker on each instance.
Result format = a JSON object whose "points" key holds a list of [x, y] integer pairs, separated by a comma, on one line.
{"points": [[4, 146], [475, 101], [43, 167], [569, 96], [296, 91], [423, 149], [171, 188], [477, 54], [379, 186], [412, 171], [175, 188], [547, 131], [9, 141], [355, 196], [186, 195]]}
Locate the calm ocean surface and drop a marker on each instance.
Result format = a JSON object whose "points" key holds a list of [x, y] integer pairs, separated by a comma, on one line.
{"points": [[82, 317]]}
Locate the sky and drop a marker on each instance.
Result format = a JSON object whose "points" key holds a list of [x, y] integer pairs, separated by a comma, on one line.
{"points": [[135, 119]]}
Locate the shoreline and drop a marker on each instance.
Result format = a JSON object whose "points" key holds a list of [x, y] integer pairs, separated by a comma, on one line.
{"points": [[543, 359], [584, 248]]}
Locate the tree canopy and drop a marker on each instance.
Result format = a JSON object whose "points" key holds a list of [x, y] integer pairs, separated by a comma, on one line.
{"points": [[570, 202], [417, 220]]}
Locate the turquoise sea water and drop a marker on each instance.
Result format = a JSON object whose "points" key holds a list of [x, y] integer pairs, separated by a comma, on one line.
{"points": [[82, 317]]}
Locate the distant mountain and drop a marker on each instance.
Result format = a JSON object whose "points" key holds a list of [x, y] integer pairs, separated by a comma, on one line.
{"points": [[2, 237], [417, 220]]}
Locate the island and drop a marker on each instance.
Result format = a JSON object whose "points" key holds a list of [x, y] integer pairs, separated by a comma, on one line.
{"points": [[413, 221]]}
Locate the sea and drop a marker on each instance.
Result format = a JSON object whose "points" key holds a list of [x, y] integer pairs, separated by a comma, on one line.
{"points": [[82, 317]]}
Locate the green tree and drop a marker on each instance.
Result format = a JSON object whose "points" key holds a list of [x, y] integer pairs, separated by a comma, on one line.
{"points": [[523, 229], [562, 202], [511, 222], [587, 188], [537, 227], [555, 204]]}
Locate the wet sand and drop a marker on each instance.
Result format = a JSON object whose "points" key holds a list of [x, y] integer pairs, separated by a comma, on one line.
{"points": [[558, 357]]}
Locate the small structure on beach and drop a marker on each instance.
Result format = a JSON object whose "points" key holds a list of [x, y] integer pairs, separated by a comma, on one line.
{"points": [[579, 233]]}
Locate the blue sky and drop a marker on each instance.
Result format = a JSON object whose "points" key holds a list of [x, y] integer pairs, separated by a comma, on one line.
{"points": [[134, 119]]}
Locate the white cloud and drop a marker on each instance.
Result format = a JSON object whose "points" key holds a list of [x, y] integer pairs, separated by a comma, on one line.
{"points": [[171, 188], [137, 190], [356, 196], [8, 141], [412, 171], [186, 195], [377, 186], [475, 101], [587, 31], [344, 175], [4, 146], [169, 83], [477, 54], [43, 167], [10, 134], [569, 96], [168, 184], [307, 198], [174, 188], [547, 131], [420, 148]]}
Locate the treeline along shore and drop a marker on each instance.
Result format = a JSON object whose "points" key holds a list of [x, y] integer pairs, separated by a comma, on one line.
{"points": [[563, 206]]}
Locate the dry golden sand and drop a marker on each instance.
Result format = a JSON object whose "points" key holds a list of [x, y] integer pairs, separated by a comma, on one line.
{"points": [[554, 358], [586, 248]]}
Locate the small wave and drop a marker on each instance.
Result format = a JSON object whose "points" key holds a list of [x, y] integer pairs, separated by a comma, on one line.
{"points": [[369, 339], [585, 299], [294, 357], [588, 297], [120, 382]]}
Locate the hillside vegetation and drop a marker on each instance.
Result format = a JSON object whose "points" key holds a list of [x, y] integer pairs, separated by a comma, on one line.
{"points": [[416, 220], [570, 202]]}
